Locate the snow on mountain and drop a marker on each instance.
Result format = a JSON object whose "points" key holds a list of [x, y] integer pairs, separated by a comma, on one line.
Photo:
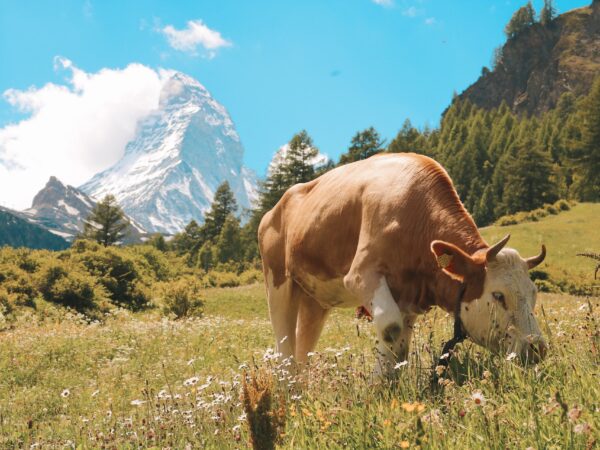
{"points": [[179, 156], [62, 210]]}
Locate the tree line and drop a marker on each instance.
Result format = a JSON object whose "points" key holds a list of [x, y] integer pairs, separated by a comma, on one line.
{"points": [[500, 163]]}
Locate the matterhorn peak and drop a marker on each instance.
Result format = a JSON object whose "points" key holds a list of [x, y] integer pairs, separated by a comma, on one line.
{"points": [[179, 156]]}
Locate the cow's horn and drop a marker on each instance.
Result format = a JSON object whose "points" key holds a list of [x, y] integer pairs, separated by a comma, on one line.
{"points": [[536, 260], [494, 249]]}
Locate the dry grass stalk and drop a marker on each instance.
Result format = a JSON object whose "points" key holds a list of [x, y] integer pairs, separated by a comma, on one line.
{"points": [[266, 421]]}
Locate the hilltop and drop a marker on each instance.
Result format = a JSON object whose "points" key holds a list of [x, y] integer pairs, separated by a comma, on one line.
{"points": [[542, 63]]}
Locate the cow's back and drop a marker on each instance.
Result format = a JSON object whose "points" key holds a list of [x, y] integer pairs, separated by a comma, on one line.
{"points": [[312, 234]]}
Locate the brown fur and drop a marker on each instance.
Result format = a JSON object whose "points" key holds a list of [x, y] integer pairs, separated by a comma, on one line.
{"points": [[380, 214]]}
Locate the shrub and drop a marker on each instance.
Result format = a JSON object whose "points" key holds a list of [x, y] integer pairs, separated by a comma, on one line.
{"points": [[251, 276], [61, 282], [18, 284], [546, 286], [563, 205], [119, 273], [181, 297], [222, 279]]}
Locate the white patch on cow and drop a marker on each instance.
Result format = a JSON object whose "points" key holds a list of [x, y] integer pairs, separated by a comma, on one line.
{"points": [[507, 326], [394, 328], [283, 313]]}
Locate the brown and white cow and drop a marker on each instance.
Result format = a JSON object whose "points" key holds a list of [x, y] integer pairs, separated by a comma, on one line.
{"points": [[390, 234]]}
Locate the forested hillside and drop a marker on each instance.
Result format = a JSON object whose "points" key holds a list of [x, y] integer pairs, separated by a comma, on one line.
{"points": [[543, 58]]}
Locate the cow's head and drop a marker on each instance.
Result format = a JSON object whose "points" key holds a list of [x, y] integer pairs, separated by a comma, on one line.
{"points": [[501, 317]]}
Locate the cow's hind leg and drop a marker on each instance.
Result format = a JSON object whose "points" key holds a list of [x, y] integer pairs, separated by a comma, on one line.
{"points": [[283, 311], [311, 318]]}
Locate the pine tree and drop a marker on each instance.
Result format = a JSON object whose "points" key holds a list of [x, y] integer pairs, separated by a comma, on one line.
{"points": [[228, 244], [222, 206], [106, 223], [298, 165], [522, 19], [586, 155], [548, 12], [189, 240], [364, 144], [406, 139], [529, 179]]}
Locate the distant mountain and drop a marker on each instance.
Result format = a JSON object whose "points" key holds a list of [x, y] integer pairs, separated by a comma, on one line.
{"points": [[62, 209], [179, 156], [541, 63], [16, 231]]}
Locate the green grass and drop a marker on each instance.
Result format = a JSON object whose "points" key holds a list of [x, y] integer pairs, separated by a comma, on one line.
{"points": [[564, 235], [123, 381], [143, 357]]}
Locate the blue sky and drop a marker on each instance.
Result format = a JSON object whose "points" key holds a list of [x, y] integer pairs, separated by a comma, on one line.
{"points": [[332, 67]]}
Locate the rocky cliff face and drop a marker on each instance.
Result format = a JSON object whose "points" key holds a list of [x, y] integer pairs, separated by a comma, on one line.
{"points": [[179, 156], [63, 209], [542, 63]]}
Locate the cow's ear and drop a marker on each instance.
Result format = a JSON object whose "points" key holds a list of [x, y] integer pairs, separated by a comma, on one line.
{"points": [[453, 261]]}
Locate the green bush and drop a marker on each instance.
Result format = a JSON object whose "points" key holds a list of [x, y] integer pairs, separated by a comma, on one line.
{"points": [[62, 283], [18, 284], [181, 297], [120, 274], [534, 215], [563, 205], [222, 279]]}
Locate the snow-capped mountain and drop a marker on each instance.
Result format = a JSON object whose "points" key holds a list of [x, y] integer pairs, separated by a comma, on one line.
{"points": [[59, 208], [63, 209], [179, 156]]}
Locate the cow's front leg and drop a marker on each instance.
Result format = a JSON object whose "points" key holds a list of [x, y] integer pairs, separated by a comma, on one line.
{"points": [[394, 329]]}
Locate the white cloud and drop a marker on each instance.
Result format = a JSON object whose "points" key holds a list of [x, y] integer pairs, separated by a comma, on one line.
{"points": [[430, 21], [411, 12], [196, 33], [73, 130], [386, 3]]}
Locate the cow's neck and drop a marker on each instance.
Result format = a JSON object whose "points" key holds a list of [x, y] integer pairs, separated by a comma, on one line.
{"points": [[462, 232]]}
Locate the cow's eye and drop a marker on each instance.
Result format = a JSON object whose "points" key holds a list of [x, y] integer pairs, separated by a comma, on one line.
{"points": [[499, 296]]}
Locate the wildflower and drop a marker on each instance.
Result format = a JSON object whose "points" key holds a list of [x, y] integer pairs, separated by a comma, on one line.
{"points": [[433, 417], [582, 428], [574, 414], [162, 394], [65, 393], [487, 374], [412, 407], [296, 397], [387, 422], [400, 364], [137, 402], [404, 444], [191, 381], [511, 356], [478, 398]]}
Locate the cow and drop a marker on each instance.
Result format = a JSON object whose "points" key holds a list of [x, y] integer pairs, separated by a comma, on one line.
{"points": [[391, 235]]}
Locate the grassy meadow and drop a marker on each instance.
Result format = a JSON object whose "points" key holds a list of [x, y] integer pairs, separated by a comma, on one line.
{"points": [[139, 379]]}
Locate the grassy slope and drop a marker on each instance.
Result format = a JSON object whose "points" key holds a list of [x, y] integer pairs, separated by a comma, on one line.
{"points": [[565, 235], [135, 357]]}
